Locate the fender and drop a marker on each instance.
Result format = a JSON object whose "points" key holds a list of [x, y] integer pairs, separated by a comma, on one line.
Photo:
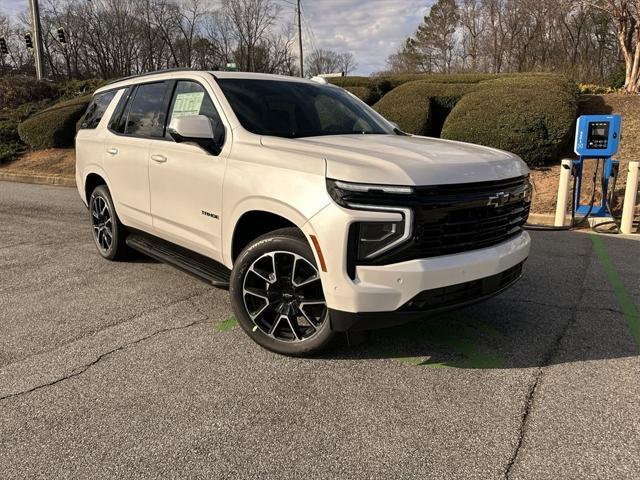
{"points": [[264, 204], [94, 168]]}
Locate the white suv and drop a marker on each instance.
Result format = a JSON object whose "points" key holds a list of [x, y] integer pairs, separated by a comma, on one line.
{"points": [[316, 213]]}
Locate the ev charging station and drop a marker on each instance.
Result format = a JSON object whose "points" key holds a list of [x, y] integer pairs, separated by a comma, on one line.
{"points": [[597, 140]]}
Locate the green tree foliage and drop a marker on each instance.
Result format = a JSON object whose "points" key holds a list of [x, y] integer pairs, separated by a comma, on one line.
{"points": [[435, 39]]}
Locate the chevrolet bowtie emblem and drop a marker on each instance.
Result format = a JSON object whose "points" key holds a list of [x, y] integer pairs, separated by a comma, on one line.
{"points": [[499, 199]]}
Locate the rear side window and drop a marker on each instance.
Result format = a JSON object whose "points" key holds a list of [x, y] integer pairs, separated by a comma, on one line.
{"points": [[97, 107], [145, 113]]}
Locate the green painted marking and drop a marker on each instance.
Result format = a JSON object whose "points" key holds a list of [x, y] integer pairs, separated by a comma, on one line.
{"points": [[627, 306], [227, 325], [414, 361], [459, 334]]}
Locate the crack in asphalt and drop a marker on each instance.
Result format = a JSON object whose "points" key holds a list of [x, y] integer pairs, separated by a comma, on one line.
{"points": [[534, 302], [111, 325], [80, 370], [546, 360], [565, 307]]}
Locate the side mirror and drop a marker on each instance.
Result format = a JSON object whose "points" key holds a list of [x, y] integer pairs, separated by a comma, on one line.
{"points": [[198, 129]]}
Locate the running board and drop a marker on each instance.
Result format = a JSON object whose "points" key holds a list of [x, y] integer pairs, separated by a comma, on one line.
{"points": [[199, 266]]}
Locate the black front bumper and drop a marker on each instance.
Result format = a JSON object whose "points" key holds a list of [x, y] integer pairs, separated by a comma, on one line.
{"points": [[428, 302]]}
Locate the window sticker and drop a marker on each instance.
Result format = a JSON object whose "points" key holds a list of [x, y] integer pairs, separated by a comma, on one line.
{"points": [[187, 104]]}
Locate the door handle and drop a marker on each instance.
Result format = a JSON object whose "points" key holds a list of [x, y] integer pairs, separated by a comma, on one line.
{"points": [[158, 158], [112, 151]]}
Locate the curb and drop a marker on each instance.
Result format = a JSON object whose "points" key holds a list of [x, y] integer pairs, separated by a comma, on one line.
{"points": [[57, 180], [541, 218]]}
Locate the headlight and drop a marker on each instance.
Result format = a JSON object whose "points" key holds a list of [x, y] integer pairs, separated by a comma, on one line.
{"points": [[368, 240], [375, 238], [344, 193]]}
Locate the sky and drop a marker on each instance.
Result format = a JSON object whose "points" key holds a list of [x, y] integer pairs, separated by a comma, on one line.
{"points": [[370, 29]]}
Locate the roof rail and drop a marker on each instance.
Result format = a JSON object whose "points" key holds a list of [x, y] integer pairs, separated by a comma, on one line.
{"points": [[167, 70]]}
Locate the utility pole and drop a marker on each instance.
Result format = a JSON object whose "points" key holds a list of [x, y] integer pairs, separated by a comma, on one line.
{"points": [[37, 40], [299, 12]]}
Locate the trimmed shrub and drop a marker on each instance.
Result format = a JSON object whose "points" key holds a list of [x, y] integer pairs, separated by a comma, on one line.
{"points": [[350, 81], [532, 116], [54, 126], [17, 90], [421, 107], [379, 86], [361, 92], [10, 144]]}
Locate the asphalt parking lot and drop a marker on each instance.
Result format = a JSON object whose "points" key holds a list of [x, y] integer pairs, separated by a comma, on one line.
{"points": [[136, 370]]}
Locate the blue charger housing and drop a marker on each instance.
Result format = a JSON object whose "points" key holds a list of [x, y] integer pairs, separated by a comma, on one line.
{"points": [[598, 135], [597, 140]]}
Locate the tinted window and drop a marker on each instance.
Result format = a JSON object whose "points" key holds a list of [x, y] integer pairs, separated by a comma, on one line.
{"points": [[190, 98], [117, 121], [145, 116], [96, 109], [295, 109]]}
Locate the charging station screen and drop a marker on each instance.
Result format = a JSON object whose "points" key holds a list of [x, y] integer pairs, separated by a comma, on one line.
{"points": [[598, 137]]}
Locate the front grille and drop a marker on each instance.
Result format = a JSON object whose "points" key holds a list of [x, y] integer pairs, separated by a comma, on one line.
{"points": [[468, 292], [458, 218], [466, 225]]}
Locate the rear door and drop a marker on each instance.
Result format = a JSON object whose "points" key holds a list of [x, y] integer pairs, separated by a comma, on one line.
{"points": [[186, 181], [140, 117]]}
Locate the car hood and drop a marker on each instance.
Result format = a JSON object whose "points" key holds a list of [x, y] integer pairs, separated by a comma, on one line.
{"points": [[404, 160]]}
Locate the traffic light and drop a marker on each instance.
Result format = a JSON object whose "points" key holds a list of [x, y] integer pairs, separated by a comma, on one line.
{"points": [[62, 38], [3, 46], [28, 41]]}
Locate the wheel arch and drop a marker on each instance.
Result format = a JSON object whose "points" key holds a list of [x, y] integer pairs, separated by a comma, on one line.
{"points": [[253, 224], [92, 178]]}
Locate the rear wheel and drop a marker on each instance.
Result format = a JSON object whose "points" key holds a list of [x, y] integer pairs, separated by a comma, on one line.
{"points": [[108, 233], [277, 294]]}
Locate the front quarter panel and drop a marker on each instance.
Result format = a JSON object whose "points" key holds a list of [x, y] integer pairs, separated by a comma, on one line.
{"points": [[283, 183]]}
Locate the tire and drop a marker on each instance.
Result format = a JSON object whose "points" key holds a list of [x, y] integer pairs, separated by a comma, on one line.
{"points": [[108, 232], [277, 295]]}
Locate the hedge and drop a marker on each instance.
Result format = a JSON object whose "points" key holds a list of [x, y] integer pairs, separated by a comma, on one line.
{"points": [[18, 90], [10, 144], [532, 116], [361, 92], [54, 126], [421, 107], [377, 87]]}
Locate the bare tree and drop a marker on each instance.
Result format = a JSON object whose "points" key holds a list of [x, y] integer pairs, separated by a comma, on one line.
{"points": [[626, 15], [473, 26], [322, 61], [251, 21], [348, 63]]}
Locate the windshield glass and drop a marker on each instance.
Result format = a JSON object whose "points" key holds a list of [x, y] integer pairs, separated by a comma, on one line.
{"points": [[293, 109]]}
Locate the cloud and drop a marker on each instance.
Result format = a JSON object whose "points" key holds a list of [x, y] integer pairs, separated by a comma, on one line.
{"points": [[13, 7], [370, 29]]}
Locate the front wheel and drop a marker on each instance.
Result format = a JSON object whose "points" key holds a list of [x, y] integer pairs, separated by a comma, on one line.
{"points": [[277, 295]]}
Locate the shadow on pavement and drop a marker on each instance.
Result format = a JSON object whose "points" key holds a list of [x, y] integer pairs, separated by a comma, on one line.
{"points": [[563, 310]]}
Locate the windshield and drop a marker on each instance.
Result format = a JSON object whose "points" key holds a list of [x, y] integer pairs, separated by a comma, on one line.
{"points": [[296, 109]]}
